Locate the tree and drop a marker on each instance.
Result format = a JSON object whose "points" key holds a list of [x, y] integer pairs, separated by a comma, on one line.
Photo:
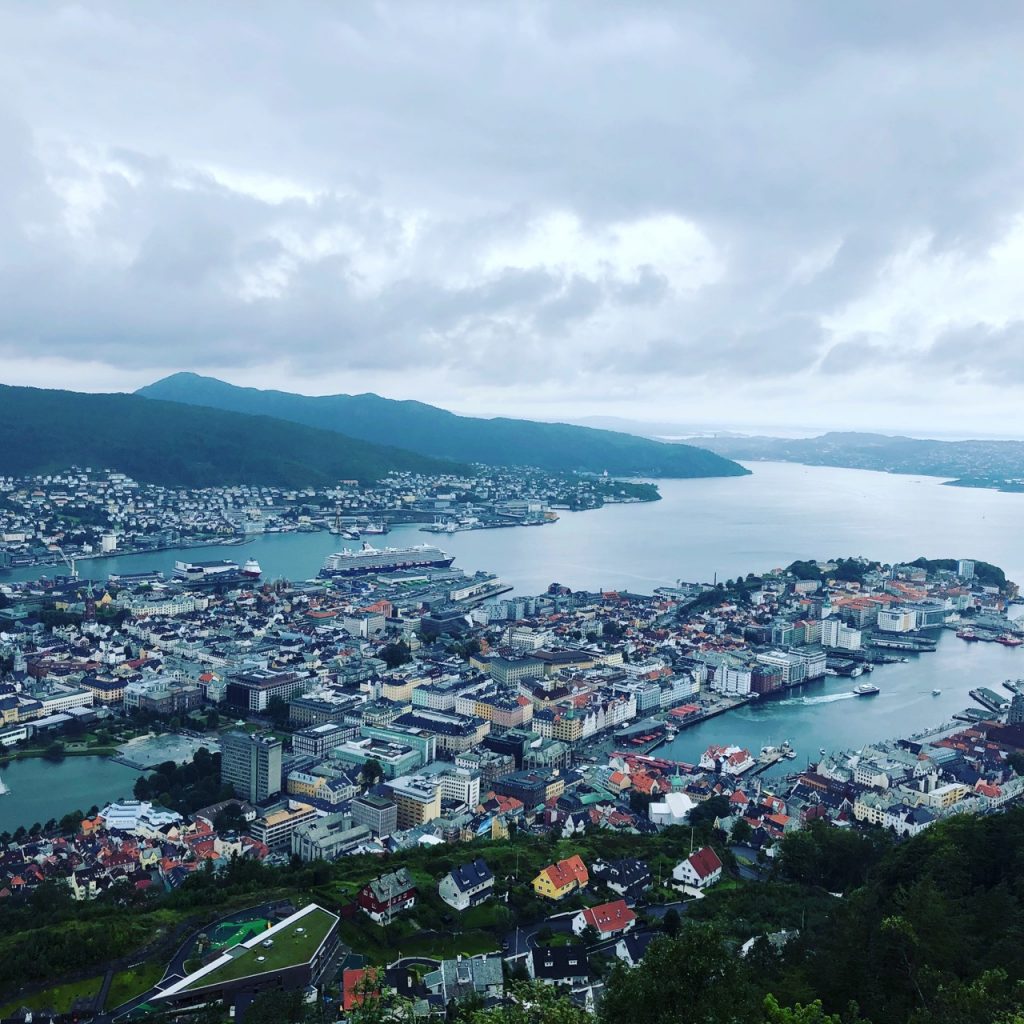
{"points": [[533, 1004], [372, 771], [693, 977], [395, 654], [70, 822], [741, 832], [54, 752], [708, 810], [590, 935], [277, 709], [230, 819], [812, 1013], [278, 1008], [671, 922], [212, 719]]}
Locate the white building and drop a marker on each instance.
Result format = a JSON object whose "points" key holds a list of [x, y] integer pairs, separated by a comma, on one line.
{"points": [[836, 634], [673, 809], [700, 870], [897, 620]]}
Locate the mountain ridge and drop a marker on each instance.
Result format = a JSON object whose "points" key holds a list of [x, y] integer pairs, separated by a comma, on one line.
{"points": [[177, 445], [971, 462], [439, 433]]}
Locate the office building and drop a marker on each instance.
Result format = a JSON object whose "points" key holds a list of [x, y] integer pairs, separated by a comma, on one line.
{"points": [[251, 764], [377, 813], [418, 799]]}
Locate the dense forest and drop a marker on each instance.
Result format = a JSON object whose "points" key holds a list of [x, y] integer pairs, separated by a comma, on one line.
{"points": [[436, 432], [176, 445]]}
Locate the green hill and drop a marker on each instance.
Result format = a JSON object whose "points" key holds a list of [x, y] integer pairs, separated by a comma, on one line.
{"points": [[170, 443], [436, 432]]}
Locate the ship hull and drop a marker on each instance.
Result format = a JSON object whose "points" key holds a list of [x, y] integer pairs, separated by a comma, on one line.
{"points": [[369, 570]]}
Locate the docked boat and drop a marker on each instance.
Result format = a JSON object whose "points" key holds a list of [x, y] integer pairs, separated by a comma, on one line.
{"points": [[377, 528], [967, 634], [336, 527], [866, 690], [252, 569], [373, 560], [1009, 640], [989, 699]]}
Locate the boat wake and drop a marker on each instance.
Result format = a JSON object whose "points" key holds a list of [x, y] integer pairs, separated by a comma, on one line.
{"points": [[808, 701]]}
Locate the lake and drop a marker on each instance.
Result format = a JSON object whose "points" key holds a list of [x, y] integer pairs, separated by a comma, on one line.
{"points": [[39, 789]]}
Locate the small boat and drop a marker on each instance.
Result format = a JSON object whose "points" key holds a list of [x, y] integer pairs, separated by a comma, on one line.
{"points": [[866, 690], [821, 750], [936, 692]]}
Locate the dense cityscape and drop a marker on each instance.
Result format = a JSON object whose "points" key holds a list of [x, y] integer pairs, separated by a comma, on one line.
{"points": [[383, 711]]}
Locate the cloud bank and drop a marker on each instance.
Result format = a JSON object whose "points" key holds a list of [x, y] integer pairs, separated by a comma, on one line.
{"points": [[793, 214]]}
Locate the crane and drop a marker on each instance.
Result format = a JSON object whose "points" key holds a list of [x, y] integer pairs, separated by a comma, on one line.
{"points": [[69, 561]]}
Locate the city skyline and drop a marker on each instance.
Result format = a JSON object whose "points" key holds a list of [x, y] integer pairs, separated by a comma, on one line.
{"points": [[788, 219]]}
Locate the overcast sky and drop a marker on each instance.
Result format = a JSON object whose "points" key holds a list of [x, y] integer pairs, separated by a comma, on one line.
{"points": [[750, 215]]}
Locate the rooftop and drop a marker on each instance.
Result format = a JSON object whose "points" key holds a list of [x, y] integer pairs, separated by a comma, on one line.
{"points": [[295, 942]]}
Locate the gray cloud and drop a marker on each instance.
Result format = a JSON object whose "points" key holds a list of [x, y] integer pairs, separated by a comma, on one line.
{"points": [[495, 196]]}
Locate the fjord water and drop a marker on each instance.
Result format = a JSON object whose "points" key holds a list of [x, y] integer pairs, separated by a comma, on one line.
{"points": [[728, 526]]}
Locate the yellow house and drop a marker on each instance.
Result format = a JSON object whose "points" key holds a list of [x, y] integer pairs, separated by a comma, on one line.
{"points": [[556, 881]]}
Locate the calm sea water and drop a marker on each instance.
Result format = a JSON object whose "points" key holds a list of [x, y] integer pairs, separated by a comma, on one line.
{"points": [[702, 528]]}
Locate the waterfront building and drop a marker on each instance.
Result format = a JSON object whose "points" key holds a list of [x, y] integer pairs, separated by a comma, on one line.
{"points": [[835, 634]]}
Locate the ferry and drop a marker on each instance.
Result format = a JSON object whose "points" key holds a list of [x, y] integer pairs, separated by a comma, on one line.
{"points": [[373, 560], [252, 569], [376, 528], [866, 690]]}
